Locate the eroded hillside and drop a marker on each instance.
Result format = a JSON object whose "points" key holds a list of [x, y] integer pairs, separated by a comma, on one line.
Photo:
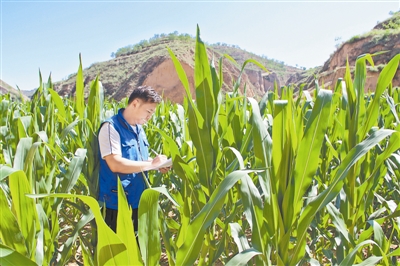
{"points": [[383, 40], [153, 66]]}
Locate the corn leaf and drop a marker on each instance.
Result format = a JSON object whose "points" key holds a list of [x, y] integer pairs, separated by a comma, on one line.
{"points": [[339, 223], [279, 148], [334, 188], [262, 145], [10, 257], [73, 171], [69, 243], [243, 257], [24, 208], [181, 74], [10, 233], [373, 260], [203, 82], [307, 159], [125, 229], [349, 260], [385, 78], [45, 247], [58, 102], [188, 252], [79, 92], [239, 237], [24, 124], [22, 151], [110, 249], [6, 171], [149, 237], [253, 209]]}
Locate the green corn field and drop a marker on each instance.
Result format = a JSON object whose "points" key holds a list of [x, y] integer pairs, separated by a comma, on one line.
{"points": [[294, 178]]}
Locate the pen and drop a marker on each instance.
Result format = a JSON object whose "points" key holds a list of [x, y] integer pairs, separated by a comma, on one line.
{"points": [[156, 153]]}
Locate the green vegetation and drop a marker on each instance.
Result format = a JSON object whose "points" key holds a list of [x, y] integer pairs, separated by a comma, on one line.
{"points": [[221, 48], [164, 38], [393, 22], [384, 31], [355, 38], [283, 181], [156, 39], [236, 53], [376, 68]]}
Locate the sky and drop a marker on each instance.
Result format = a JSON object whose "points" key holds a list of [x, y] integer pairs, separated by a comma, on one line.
{"points": [[49, 35]]}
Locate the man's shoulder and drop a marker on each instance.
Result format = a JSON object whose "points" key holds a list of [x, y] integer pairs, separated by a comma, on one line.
{"points": [[108, 130], [108, 123], [110, 120]]}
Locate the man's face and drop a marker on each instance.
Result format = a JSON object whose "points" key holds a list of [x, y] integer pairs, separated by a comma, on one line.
{"points": [[143, 111]]}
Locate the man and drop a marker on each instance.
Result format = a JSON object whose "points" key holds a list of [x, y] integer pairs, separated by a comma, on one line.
{"points": [[124, 153]]}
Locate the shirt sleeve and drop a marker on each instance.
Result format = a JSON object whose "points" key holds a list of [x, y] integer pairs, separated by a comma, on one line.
{"points": [[109, 140]]}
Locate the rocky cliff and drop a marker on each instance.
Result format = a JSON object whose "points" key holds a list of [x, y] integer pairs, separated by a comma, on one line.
{"points": [[385, 38]]}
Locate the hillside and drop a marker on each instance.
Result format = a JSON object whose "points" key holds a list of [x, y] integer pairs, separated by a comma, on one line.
{"points": [[384, 37], [152, 65], [149, 63], [14, 93]]}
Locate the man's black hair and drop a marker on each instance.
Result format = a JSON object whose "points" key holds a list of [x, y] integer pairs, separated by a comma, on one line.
{"points": [[145, 93]]}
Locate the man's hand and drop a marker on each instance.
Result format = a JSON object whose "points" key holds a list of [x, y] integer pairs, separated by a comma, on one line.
{"points": [[159, 160], [164, 170]]}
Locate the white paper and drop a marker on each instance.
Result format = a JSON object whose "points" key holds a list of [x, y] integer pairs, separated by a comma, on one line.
{"points": [[167, 163]]}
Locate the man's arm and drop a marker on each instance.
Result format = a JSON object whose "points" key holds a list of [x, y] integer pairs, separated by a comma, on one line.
{"points": [[110, 149], [118, 164]]}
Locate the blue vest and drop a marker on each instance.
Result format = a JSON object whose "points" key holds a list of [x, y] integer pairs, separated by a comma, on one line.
{"points": [[134, 146]]}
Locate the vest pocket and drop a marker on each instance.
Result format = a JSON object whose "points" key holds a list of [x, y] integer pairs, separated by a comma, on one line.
{"points": [[130, 149]]}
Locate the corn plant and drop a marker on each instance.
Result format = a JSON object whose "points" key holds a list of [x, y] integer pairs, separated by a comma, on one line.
{"points": [[46, 149], [289, 179], [299, 134], [308, 151]]}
